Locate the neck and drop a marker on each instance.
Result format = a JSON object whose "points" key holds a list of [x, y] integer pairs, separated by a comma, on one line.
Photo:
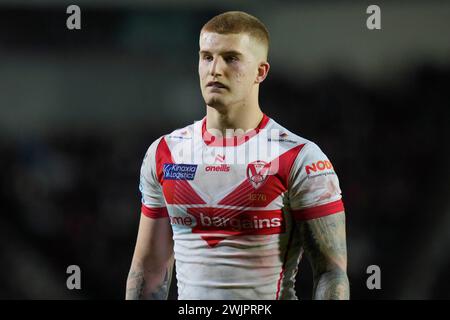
{"points": [[241, 117]]}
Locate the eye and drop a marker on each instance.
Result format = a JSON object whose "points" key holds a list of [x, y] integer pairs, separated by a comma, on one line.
{"points": [[229, 59], [207, 57]]}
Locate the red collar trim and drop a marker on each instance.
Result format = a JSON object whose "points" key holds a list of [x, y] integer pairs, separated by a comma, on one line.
{"points": [[214, 141]]}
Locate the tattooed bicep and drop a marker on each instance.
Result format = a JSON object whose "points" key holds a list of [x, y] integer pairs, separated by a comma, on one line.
{"points": [[324, 242]]}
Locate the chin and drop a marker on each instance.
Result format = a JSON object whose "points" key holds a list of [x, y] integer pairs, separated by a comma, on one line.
{"points": [[215, 102]]}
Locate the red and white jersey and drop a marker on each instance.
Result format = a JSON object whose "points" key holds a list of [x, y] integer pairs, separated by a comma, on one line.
{"points": [[233, 203]]}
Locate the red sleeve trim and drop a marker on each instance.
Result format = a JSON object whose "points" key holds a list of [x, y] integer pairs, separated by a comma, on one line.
{"points": [[154, 213], [318, 211]]}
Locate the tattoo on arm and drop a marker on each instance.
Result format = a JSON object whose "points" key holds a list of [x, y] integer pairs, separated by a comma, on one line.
{"points": [[136, 287], [332, 285], [324, 242]]}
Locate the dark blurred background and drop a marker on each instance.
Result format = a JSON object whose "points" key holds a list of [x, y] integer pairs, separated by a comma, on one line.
{"points": [[78, 110]]}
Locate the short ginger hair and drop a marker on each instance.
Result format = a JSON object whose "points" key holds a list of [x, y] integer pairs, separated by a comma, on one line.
{"points": [[235, 22]]}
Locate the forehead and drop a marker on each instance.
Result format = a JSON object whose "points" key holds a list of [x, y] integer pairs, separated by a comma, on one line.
{"points": [[212, 42]]}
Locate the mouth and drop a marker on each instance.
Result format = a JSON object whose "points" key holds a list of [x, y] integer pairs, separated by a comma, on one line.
{"points": [[216, 85]]}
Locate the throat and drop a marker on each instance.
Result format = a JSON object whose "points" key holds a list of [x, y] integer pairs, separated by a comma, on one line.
{"points": [[231, 124]]}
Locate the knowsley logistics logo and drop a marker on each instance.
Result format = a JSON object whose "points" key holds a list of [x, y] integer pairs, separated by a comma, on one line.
{"points": [[173, 171]]}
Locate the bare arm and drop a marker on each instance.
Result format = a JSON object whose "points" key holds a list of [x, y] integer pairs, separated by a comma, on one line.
{"points": [[324, 242], [151, 269]]}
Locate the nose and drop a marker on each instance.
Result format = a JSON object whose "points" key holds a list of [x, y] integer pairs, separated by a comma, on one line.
{"points": [[216, 68]]}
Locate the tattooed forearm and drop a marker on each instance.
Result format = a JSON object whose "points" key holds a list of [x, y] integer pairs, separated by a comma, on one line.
{"points": [[324, 242], [161, 292], [332, 285], [137, 287]]}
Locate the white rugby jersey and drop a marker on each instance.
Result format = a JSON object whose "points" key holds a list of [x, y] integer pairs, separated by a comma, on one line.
{"points": [[233, 203]]}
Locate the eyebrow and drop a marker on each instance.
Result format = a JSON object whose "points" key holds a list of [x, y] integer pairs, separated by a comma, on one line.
{"points": [[225, 53]]}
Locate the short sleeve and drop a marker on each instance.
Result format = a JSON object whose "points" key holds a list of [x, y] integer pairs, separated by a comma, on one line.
{"points": [[153, 204], [314, 189]]}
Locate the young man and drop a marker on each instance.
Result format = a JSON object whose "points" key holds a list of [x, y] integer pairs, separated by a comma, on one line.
{"points": [[236, 198]]}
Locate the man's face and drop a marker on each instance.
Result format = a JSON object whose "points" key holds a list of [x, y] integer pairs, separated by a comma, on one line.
{"points": [[228, 67]]}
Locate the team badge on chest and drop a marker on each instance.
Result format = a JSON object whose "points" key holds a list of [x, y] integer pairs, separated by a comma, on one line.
{"points": [[257, 173]]}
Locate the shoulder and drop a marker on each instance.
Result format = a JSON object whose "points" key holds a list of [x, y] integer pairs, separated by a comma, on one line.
{"points": [[184, 133], [177, 136], [307, 157], [289, 139]]}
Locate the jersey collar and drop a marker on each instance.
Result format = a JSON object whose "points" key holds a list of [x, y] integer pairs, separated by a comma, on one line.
{"points": [[214, 141]]}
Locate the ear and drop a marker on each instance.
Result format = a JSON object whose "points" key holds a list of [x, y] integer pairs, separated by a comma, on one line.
{"points": [[263, 70]]}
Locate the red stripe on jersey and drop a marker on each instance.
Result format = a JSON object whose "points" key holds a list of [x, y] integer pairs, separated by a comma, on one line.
{"points": [[211, 140], [318, 211], [245, 195], [155, 213], [180, 192], [175, 191], [162, 156], [212, 240]]}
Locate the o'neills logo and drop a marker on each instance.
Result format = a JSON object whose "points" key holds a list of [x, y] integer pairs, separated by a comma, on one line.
{"points": [[237, 222], [219, 168], [318, 166]]}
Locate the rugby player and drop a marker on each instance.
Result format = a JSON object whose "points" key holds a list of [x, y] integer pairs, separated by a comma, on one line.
{"points": [[235, 199]]}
